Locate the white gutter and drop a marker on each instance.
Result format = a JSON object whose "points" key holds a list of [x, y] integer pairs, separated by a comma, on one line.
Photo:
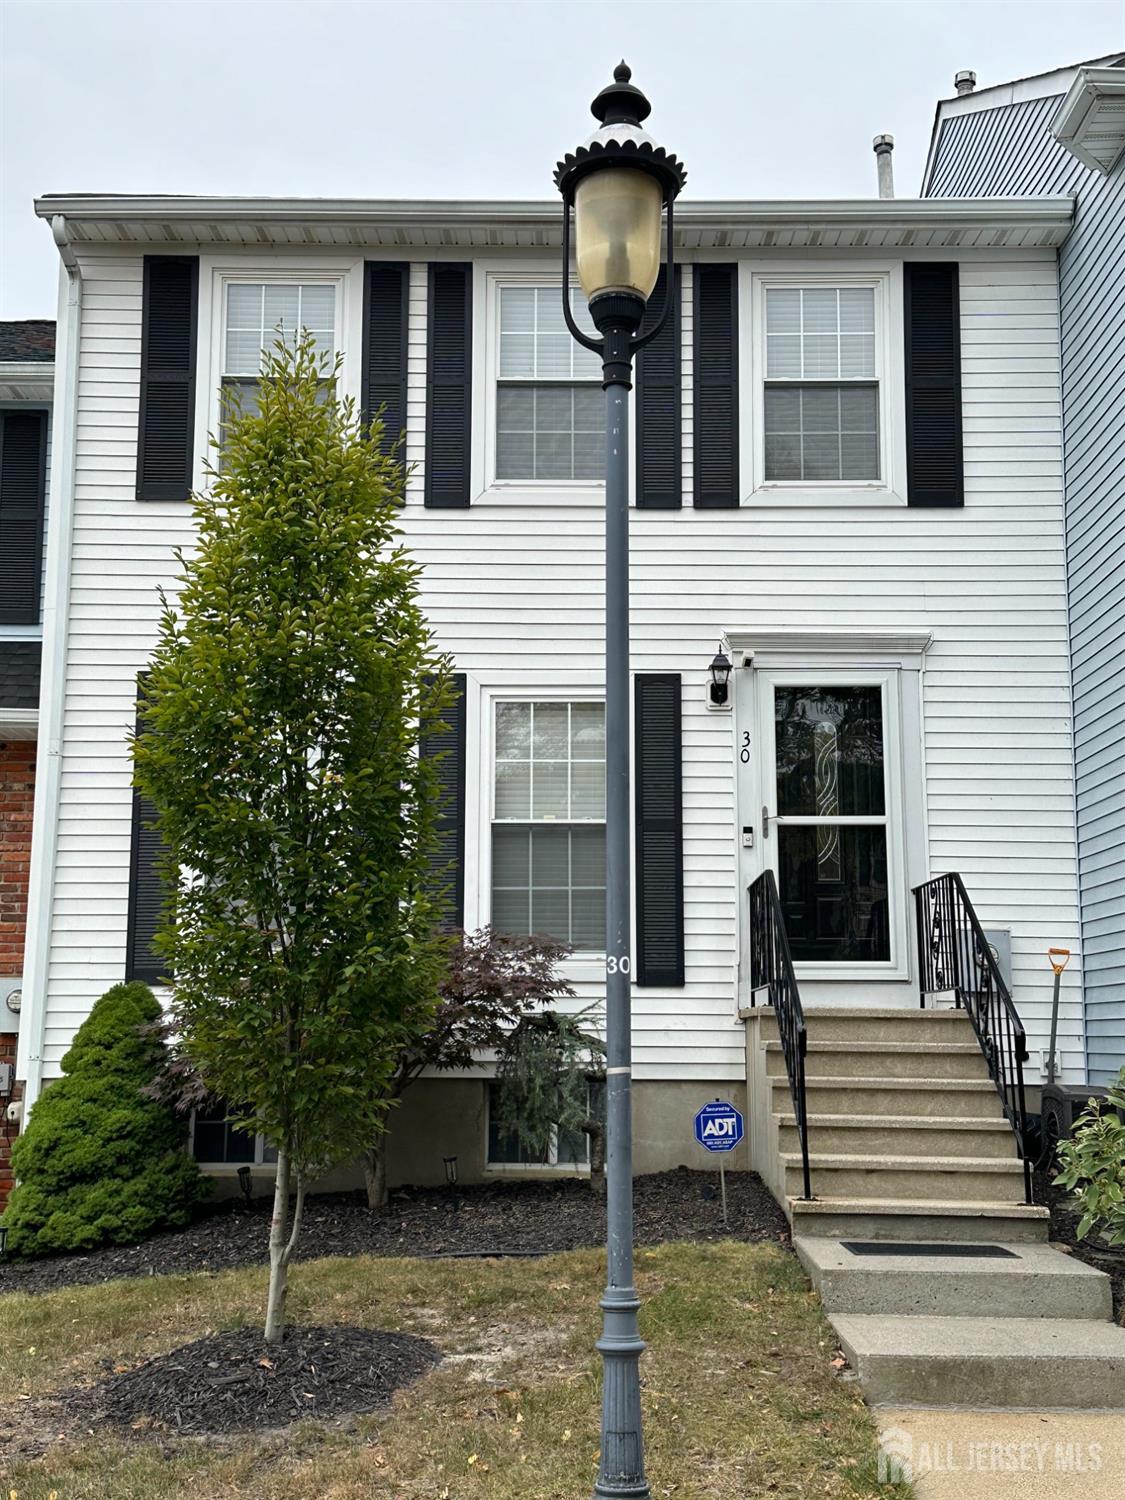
{"points": [[52, 685], [915, 213]]}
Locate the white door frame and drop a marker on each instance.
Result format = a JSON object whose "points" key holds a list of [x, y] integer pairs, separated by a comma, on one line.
{"points": [[893, 660]]}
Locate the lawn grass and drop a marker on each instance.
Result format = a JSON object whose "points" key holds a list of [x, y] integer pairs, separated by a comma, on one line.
{"points": [[740, 1396]]}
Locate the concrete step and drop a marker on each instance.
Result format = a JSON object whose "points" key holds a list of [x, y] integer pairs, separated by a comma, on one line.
{"points": [[1013, 1363], [899, 1135], [854, 1218], [922, 1060], [966, 1178], [1028, 1281], [838, 1023], [890, 1094]]}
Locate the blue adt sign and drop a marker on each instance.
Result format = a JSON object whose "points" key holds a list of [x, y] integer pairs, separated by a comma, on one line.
{"points": [[718, 1126]]}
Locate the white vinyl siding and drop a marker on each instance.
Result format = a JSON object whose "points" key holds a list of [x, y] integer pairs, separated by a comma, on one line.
{"points": [[515, 592]]}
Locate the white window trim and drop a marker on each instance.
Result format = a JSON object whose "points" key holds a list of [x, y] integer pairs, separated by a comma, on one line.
{"points": [[215, 273], [488, 278], [480, 791], [890, 372]]}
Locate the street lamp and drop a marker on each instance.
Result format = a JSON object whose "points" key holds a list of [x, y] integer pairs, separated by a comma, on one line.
{"points": [[619, 184]]}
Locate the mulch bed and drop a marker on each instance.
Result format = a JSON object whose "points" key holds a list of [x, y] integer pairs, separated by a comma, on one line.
{"points": [[1064, 1231], [493, 1218], [234, 1382]]}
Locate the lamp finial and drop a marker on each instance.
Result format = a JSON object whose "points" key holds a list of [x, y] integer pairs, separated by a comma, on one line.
{"points": [[621, 102]]}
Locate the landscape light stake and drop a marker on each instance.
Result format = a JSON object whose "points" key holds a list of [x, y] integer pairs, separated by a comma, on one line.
{"points": [[620, 184]]}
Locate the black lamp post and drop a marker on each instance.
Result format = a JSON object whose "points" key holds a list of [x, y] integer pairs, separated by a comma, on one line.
{"points": [[619, 183]]}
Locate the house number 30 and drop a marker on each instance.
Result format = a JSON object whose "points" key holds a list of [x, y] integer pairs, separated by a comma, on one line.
{"points": [[617, 965], [744, 753]]}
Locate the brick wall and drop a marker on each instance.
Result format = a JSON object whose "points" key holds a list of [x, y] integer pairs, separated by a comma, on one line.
{"points": [[17, 782], [17, 786]]}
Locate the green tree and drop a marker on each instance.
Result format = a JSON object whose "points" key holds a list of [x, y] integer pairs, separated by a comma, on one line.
{"points": [[284, 709], [551, 1074], [101, 1162], [492, 982]]}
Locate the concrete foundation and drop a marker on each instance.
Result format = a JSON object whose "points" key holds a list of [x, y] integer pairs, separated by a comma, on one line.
{"points": [[440, 1117]]}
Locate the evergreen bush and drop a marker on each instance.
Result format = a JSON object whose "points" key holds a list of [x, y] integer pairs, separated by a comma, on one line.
{"points": [[100, 1161]]}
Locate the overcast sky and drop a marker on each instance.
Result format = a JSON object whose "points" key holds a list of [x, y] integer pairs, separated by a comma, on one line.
{"points": [[476, 98]]}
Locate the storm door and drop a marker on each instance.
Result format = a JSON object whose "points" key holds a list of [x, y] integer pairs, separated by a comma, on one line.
{"points": [[830, 786]]}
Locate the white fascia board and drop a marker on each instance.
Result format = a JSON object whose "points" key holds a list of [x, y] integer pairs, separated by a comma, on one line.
{"points": [[27, 380], [470, 218], [1079, 117], [19, 723]]}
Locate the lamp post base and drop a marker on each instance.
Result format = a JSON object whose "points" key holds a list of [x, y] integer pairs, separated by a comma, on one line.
{"points": [[621, 1473]]}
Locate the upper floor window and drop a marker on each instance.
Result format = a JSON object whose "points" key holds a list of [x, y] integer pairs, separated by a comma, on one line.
{"points": [[550, 411], [821, 397], [548, 822], [258, 314]]}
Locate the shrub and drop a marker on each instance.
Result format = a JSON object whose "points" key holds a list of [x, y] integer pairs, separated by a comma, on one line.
{"points": [[100, 1162], [1092, 1164]]}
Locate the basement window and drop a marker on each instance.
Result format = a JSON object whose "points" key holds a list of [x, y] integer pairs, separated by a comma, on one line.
{"points": [[215, 1142]]}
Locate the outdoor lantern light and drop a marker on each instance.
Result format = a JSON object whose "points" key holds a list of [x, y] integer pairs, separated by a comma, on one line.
{"points": [[246, 1182], [450, 1164], [720, 676], [620, 186]]}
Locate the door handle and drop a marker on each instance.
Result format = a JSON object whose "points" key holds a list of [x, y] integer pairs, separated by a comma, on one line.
{"points": [[765, 821]]}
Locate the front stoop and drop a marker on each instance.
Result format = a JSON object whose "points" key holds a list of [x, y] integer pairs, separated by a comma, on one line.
{"points": [[908, 1146], [907, 1136]]}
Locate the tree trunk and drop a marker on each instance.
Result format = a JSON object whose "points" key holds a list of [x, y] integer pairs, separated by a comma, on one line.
{"points": [[375, 1175], [281, 1249], [595, 1132]]}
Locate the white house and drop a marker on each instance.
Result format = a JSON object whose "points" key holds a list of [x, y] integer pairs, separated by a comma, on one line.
{"points": [[848, 472]]}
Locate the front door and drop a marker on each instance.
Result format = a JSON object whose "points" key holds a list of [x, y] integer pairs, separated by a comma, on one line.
{"points": [[830, 819]]}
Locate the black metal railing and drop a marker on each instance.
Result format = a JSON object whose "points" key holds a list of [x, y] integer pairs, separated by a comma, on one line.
{"points": [[954, 956], [771, 969]]}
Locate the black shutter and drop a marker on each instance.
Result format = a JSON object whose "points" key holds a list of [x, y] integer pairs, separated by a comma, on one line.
{"points": [[386, 312], [146, 891], [935, 471], [23, 484], [715, 417], [660, 409], [659, 829], [449, 855], [449, 384], [168, 340]]}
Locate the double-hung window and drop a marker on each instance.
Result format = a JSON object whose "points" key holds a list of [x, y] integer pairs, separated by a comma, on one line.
{"points": [[550, 410], [548, 822], [821, 398], [259, 314]]}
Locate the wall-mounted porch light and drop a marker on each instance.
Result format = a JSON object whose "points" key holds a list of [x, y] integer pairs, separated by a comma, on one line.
{"points": [[720, 677]]}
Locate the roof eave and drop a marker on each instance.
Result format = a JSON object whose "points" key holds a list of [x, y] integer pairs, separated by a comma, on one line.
{"points": [[478, 223]]}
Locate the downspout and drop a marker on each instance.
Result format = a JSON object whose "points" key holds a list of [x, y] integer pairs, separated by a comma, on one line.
{"points": [[52, 687]]}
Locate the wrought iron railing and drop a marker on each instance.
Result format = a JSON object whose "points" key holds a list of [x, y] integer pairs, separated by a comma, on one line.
{"points": [[771, 969], [954, 956]]}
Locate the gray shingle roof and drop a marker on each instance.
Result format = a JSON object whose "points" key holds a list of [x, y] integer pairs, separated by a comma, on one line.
{"points": [[19, 674], [30, 340]]}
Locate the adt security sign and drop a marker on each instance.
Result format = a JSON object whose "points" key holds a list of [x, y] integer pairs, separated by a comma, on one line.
{"points": [[718, 1126]]}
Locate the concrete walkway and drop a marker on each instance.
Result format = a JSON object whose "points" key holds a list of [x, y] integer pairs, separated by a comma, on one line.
{"points": [[960, 1455]]}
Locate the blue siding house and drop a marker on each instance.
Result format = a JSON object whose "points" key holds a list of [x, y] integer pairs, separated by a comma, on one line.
{"points": [[1064, 132]]}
